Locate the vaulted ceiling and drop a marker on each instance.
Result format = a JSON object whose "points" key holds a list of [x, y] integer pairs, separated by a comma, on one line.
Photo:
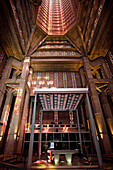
{"points": [[89, 30]]}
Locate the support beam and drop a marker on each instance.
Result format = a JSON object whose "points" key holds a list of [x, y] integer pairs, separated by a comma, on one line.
{"points": [[79, 131], [96, 105], [94, 134], [30, 112], [5, 115], [40, 135], [18, 110], [6, 75], [107, 111], [7, 69], [32, 135], [11, 143], [23, 123], [61, 90]]}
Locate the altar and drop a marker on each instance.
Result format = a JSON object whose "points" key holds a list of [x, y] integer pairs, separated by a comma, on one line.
{"points": [[68, 155]]}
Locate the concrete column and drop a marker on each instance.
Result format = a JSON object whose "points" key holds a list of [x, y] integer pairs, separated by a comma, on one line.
{"points": [[23, 124], [5, 115], [7, 69], [83, 81], [14, 75], [110, 87], [3, 62], [15, 120], [87, 68], [2, 93], [109, 76], [29, 82], [82, 114], [107, 111], [30, 86], [96, 106], [98, 75], [82, 76], [17, 112], [77, 75], [105, 69], [6, 75], [30, 112], [25, 69]]}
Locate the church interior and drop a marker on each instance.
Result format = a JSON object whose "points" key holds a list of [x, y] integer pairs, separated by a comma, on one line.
{"points": [[56, 84]]}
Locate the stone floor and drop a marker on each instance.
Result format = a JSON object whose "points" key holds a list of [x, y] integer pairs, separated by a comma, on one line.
{"points": [[76, 164]]}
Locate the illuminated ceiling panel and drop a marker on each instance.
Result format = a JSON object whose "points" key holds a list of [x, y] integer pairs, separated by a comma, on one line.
{"points": [[60, 98], [52, 101], [56, 17]]}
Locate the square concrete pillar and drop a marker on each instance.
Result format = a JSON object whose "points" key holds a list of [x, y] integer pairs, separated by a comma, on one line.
{"points": [[96, 105]]}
